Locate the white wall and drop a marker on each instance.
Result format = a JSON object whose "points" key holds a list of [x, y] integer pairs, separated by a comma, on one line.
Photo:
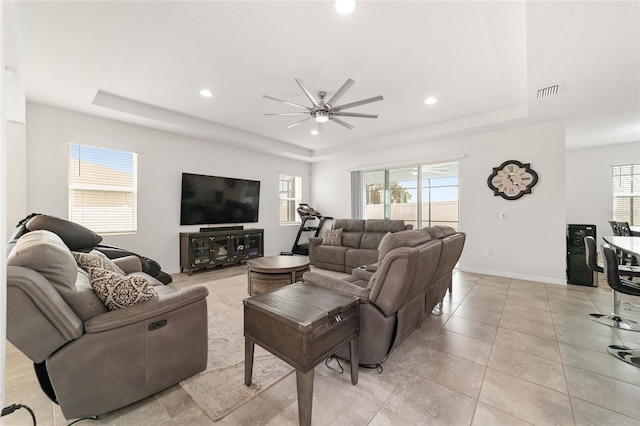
{"points": [[162, 157], [16, 147], [530, 247], [589, 181]]}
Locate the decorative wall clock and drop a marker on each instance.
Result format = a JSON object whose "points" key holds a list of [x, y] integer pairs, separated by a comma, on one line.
{"points": [[512, 179]]}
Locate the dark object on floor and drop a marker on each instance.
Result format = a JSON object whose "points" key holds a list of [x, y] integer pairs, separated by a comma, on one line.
{"points": [[578, 271], [13, 407], [79, 238]]}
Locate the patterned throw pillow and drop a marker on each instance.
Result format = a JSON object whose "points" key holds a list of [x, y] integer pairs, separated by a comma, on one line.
{"points": [[333, 237], [118, 291], [96, 259]]}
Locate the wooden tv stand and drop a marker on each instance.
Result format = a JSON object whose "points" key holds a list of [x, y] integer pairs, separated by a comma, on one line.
{"points": [[201, 250]]}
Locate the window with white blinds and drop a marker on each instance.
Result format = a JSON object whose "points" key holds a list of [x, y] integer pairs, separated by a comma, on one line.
{"points": [[626, 194], [103, 189], [290, 195]]}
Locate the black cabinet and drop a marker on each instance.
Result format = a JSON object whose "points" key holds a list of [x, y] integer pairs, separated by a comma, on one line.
{"points": [[578, 272], [200, 250]]}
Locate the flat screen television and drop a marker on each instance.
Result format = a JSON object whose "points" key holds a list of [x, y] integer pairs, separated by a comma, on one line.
{"points": [[209, 200]]}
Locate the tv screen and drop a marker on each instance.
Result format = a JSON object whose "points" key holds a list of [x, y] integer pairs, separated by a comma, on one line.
{"points": [[212, 200]]}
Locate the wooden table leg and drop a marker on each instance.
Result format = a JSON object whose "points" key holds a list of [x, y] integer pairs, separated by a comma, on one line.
{"points": [[353, 356], [248, 360], [304, 382]]}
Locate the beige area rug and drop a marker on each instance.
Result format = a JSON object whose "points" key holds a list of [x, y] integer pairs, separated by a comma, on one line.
{"points": [[220, 389]]}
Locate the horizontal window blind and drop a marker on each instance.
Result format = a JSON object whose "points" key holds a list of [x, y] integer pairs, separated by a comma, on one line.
{"points": [[626, 193], [103, 189], [289, 197]]}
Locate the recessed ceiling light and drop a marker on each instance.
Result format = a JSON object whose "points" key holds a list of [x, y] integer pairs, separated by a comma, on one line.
{"points": [[206, 93], [430, 100], [345, 7], [314, 132]]}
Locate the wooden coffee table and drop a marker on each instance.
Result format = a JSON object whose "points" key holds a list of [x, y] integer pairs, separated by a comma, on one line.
{"points": [[269, 273], [301, 324]]}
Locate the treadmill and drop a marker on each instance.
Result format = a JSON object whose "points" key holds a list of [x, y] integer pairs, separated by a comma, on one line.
{"points": [[306, 214]]}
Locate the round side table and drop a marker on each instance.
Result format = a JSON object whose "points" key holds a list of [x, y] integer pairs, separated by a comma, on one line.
{"points": [[269, 273]]}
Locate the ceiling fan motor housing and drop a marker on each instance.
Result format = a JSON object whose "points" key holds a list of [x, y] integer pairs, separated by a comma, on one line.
{"points": [[323, 111]]}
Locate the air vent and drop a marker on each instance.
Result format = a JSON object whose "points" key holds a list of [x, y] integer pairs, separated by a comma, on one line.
{"points": [[548, 91]]}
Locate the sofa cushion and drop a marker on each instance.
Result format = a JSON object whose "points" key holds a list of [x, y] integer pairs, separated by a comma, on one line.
{"points": [[95, 259], [359, 257], [45, 252], [376, 229], [118, 291], [332, 237], [447, 230], [384, 225], [330, 254], [352, 230], [355, 289], [410, 238], [435, 232], [83, 299]]}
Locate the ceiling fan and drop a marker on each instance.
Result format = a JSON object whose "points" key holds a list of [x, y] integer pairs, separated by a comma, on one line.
{"points": [[324, 110]]}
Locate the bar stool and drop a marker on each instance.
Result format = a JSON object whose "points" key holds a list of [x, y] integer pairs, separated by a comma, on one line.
{"points": [[622, 352], [618, 285], [592, 260], [615, 228]]}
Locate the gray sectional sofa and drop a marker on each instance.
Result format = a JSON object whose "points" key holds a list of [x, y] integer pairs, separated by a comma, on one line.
{"points": [[398, 288], [360, 240]]}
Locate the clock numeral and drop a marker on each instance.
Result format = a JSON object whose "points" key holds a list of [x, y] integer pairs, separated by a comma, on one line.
{"points": [[526, 178]]}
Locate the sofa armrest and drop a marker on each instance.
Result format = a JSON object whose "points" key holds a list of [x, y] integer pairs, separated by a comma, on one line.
{"points": [[345, 287], [362, 273], [129, 264], [313, 243], [146, 310]]}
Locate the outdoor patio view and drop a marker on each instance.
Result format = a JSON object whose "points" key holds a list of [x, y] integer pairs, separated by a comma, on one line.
{"points": [[423, 195]]}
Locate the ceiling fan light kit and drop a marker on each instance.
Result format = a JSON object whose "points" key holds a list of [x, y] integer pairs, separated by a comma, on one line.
{"points": [[324, 110]]}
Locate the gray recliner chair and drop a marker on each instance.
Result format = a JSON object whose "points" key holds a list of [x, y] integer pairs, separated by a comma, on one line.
{"points": [[90, 360]]}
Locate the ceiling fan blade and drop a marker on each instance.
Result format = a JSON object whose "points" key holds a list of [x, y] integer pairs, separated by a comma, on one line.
{"points": [[341, 91], [354, 114], [342, 123], [307, 92], [286, 102], [299, 122], [357, 103], [288, 113]]}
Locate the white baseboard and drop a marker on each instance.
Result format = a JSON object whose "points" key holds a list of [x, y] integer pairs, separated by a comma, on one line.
{"points": [[547, 280]]}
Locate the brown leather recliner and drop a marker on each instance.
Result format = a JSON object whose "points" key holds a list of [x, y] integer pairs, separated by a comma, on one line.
{"points": [[393, 297], [90, 360]]}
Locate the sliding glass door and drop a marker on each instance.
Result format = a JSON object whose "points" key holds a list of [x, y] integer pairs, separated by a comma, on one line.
{"points": [[421, 195]]}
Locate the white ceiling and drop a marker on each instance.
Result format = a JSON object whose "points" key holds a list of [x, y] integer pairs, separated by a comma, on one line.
{"points": [[145, 62]]}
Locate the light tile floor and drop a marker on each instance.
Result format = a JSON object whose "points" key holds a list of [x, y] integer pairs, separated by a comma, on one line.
{"points": [[505, 352]]}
